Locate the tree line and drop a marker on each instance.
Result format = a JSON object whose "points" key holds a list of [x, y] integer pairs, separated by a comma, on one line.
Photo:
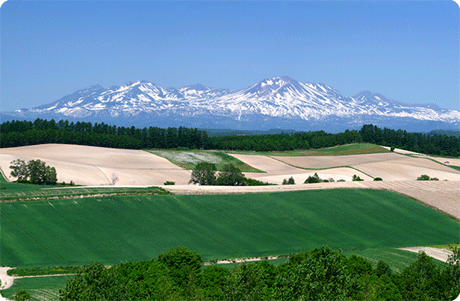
{"points": [[319, 274], [20, 133]]}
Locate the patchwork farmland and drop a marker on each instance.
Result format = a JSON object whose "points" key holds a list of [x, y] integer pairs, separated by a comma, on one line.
{"points": [[130, 221]]}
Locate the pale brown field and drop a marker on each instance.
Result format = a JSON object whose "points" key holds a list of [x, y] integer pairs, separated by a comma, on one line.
{"points": [[95, 166], [320, 162], [87, 165]]}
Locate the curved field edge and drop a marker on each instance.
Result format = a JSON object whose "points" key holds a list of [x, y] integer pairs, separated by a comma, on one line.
{"points": [[187, 159], [134, 228], [340, 150]]}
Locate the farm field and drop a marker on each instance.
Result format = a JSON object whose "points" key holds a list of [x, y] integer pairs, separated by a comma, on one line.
{"points": [[15, 192], [133, 228], [87, 165], [40, 288], [188, 159], [348, 149], [397, 259]]}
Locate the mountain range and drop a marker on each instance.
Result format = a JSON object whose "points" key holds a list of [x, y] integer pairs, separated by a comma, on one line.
{"points": [[280, 102]]}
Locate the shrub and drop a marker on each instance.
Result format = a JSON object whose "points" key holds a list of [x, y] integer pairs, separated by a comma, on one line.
{"points": [[392, 149], [378, 179], [356, 178], [254, 182], [289, 181], [312, 179], [169, 183], [423, 178]]}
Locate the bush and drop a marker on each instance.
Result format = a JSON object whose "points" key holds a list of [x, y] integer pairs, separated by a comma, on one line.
{"points": [[356, 178], [22, 295], [312, 179], [378, 179], [254, 182], [169, 183], [426, 178], [289, 181]]}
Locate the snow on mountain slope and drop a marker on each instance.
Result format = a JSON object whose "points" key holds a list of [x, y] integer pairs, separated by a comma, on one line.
{"points": [[280, 97]]}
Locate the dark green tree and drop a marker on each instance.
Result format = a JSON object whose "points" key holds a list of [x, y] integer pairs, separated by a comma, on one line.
{"points": [[204, 174], [19, 170], [230, 176]]}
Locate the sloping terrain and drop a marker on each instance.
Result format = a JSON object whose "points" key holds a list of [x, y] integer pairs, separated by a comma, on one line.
{"points": [[87, 165]]}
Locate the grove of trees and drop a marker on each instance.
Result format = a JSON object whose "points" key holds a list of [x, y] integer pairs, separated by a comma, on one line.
{"points": [[319, 274], [20, 133], [34, 171], [204, 173]]}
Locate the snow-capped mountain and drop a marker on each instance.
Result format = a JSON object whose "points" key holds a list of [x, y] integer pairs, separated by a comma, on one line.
{"points": [[280, 102]]}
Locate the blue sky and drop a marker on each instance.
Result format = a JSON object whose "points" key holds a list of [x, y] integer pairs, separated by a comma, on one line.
{"points": [[405, 50]]}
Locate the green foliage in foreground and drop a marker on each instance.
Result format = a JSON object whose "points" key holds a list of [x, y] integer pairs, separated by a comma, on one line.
{"points": [[319, 274], [132, 228]]}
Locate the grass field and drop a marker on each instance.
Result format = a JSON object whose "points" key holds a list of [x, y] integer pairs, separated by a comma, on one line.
{"points": [[133, 228], [397, 259], [40, 288], [17, 191], [348, 149], [188, 159]]}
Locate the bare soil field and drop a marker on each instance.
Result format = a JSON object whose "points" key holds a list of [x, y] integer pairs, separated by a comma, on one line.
{"points": [[408, 168], [320, 162], [87, 165], [441, 195]]}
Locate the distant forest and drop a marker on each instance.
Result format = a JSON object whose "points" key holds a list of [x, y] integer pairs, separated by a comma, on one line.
{"points": [[20, 133]]}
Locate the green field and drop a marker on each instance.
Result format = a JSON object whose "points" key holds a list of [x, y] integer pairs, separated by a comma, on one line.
{"points": [[398, 260], [16, 191], [348, 149], [40, 288], [188, 159], [133, 228]]}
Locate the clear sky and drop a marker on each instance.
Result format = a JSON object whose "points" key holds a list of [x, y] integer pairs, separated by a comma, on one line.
{"points": [[405, 50]]}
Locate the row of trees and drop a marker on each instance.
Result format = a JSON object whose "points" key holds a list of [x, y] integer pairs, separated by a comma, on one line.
{"points": [[34, 171], [433, 144], [319, 274], [19, 133]]}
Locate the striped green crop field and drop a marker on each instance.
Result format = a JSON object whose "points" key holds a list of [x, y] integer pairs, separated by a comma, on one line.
{"points": [[132, 228], [340, 150], [40, 288], [14, 191]]}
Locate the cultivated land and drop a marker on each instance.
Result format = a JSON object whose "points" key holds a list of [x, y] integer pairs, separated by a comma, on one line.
{"points": [[98, 226], [87, 165], [189, 159], [133, 228]]}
